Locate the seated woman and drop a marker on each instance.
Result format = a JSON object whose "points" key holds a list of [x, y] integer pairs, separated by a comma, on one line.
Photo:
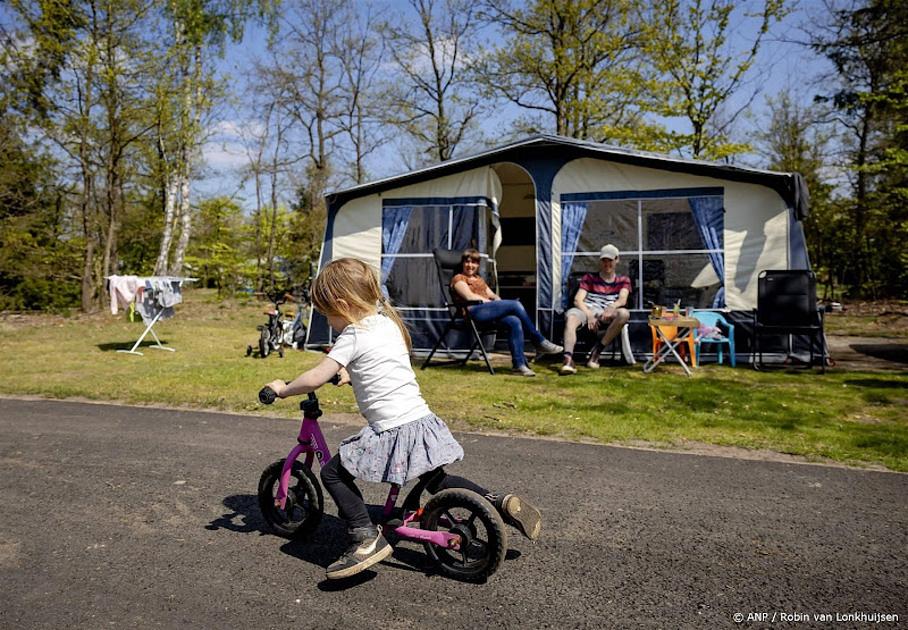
{"points": [[510, 313]]}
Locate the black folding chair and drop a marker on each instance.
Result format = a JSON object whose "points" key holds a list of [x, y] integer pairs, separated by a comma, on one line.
{"points": [[447, 265], [786, 306]]}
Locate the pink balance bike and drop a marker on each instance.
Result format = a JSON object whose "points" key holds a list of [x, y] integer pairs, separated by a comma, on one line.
{"points": [[462, 532]]}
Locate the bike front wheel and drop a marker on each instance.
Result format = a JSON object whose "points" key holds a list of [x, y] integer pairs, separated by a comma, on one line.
{"points": [[483, 538], [303, 508]]}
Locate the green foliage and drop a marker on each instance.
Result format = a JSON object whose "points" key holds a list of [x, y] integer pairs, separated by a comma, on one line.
{"points": [[868, 46], [273, 225], [795, 142], [688, 43], [39, 254], [218, 252], [36, 269], [578, 63]]}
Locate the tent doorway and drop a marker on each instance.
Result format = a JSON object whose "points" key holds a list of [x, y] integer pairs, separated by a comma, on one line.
{"points": [[515, 259]]}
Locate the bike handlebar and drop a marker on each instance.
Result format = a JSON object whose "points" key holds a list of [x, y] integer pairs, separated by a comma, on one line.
{"points": [[277, 297], [267, 395]]}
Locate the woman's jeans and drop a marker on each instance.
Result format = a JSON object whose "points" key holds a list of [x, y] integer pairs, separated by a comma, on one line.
{"points": [[511, 314]]}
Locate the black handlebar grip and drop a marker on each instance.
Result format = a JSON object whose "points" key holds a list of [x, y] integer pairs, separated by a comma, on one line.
{"points": [[267, 396]]}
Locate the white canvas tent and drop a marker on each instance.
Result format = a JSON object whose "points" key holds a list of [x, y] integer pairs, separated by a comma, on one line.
{"points": [[540, 209]]}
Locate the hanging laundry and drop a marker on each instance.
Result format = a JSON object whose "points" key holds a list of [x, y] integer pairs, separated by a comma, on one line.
{"points": [[150, 305], [152, 297], [168, 292], [122, 291]]}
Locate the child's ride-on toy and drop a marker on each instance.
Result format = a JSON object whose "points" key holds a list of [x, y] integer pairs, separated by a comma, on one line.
{"points": [[462, 532], [279, 331]]}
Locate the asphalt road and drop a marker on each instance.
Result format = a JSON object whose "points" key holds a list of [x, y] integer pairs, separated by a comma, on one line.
{"points": [[117, 517]]}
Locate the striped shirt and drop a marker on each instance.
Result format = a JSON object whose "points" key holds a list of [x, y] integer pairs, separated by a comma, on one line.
{"points": [[601, 294]]}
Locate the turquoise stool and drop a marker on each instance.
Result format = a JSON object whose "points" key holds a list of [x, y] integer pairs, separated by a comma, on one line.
{"points": [[715, 320]]}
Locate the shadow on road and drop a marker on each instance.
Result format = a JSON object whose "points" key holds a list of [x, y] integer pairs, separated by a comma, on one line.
{"points": [[244, 516], [327, 543]]}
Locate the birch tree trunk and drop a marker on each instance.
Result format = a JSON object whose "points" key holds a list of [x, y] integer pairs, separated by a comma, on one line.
{"points": [[170, 203], [192, 103], [87, 210], [169, 168]]}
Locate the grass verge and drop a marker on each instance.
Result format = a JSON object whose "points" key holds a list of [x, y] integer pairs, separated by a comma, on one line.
{"points": [[846, 416]]}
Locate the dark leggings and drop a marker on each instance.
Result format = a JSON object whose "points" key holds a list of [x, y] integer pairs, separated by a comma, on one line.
{"points": [[341, 485]]}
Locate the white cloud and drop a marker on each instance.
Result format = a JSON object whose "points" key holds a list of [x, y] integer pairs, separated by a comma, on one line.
{"points": [[224, 155]]}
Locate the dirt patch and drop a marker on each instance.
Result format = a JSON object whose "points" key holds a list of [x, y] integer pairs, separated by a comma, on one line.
{"points": [[868, 353], [870, 319]]}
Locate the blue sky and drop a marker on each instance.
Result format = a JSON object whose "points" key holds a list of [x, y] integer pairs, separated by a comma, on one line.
{"points": [[781, 65]]}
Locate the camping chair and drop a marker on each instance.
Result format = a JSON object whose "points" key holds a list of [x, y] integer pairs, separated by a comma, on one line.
{"points": [[711, 331], [786, 306], [447, 265], [621, 343]]}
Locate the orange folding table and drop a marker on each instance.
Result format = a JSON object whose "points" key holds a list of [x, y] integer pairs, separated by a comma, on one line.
{"points": [[686, 329]]}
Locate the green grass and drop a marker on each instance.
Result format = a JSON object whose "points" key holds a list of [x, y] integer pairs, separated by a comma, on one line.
{"points": [[850, 417]]}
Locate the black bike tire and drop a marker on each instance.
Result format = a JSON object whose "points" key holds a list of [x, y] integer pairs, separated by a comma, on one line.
{"points": [[265, 343], [306, 482], [491, 520]]}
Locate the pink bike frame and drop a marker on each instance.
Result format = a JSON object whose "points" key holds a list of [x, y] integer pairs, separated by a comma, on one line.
{"points": [[312, 443]]}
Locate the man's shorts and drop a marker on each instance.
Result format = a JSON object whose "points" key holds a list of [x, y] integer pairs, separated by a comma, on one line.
{"points": [[576, 312], [580, 315]]}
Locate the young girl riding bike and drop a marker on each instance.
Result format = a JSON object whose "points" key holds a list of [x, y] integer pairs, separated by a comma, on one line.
{"points": [[403, 440]]}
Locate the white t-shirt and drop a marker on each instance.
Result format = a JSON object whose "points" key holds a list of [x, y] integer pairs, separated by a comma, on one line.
{"points": [[385, 387]]}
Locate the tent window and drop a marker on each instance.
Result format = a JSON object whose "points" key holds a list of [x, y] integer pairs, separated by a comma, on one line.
{"points": [[609, 222], [413, 282], [671, 245], [669, 225], [428, 228], [411, 279]]}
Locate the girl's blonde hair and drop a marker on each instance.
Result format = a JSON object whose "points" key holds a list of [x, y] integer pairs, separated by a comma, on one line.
{"points": [[356, 283]]}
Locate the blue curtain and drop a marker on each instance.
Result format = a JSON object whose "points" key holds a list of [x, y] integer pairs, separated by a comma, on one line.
{"points": [[393, 227], [709, 215], [572, 217]]}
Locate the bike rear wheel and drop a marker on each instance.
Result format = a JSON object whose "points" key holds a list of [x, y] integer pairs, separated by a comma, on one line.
{"points": [[264, 343], [303, 508], [482, 533]]}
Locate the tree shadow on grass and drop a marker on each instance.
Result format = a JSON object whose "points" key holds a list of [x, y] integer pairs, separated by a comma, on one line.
{"points": [[877, 383], [893, 352]]}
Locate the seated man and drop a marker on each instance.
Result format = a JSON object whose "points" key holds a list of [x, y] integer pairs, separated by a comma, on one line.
{"points": [[600, 302]]}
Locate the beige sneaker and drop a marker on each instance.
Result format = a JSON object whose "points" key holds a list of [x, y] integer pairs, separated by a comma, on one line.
{"points": [[547, 347], [524, 370], [568, 367], [593, 361], [519, 513]]}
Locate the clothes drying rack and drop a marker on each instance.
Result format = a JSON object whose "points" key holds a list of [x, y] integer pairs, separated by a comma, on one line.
{"points": [[149, 327]]}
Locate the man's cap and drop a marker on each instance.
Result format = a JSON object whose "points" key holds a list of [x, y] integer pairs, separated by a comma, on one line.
{"points": [[609, 251]]}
